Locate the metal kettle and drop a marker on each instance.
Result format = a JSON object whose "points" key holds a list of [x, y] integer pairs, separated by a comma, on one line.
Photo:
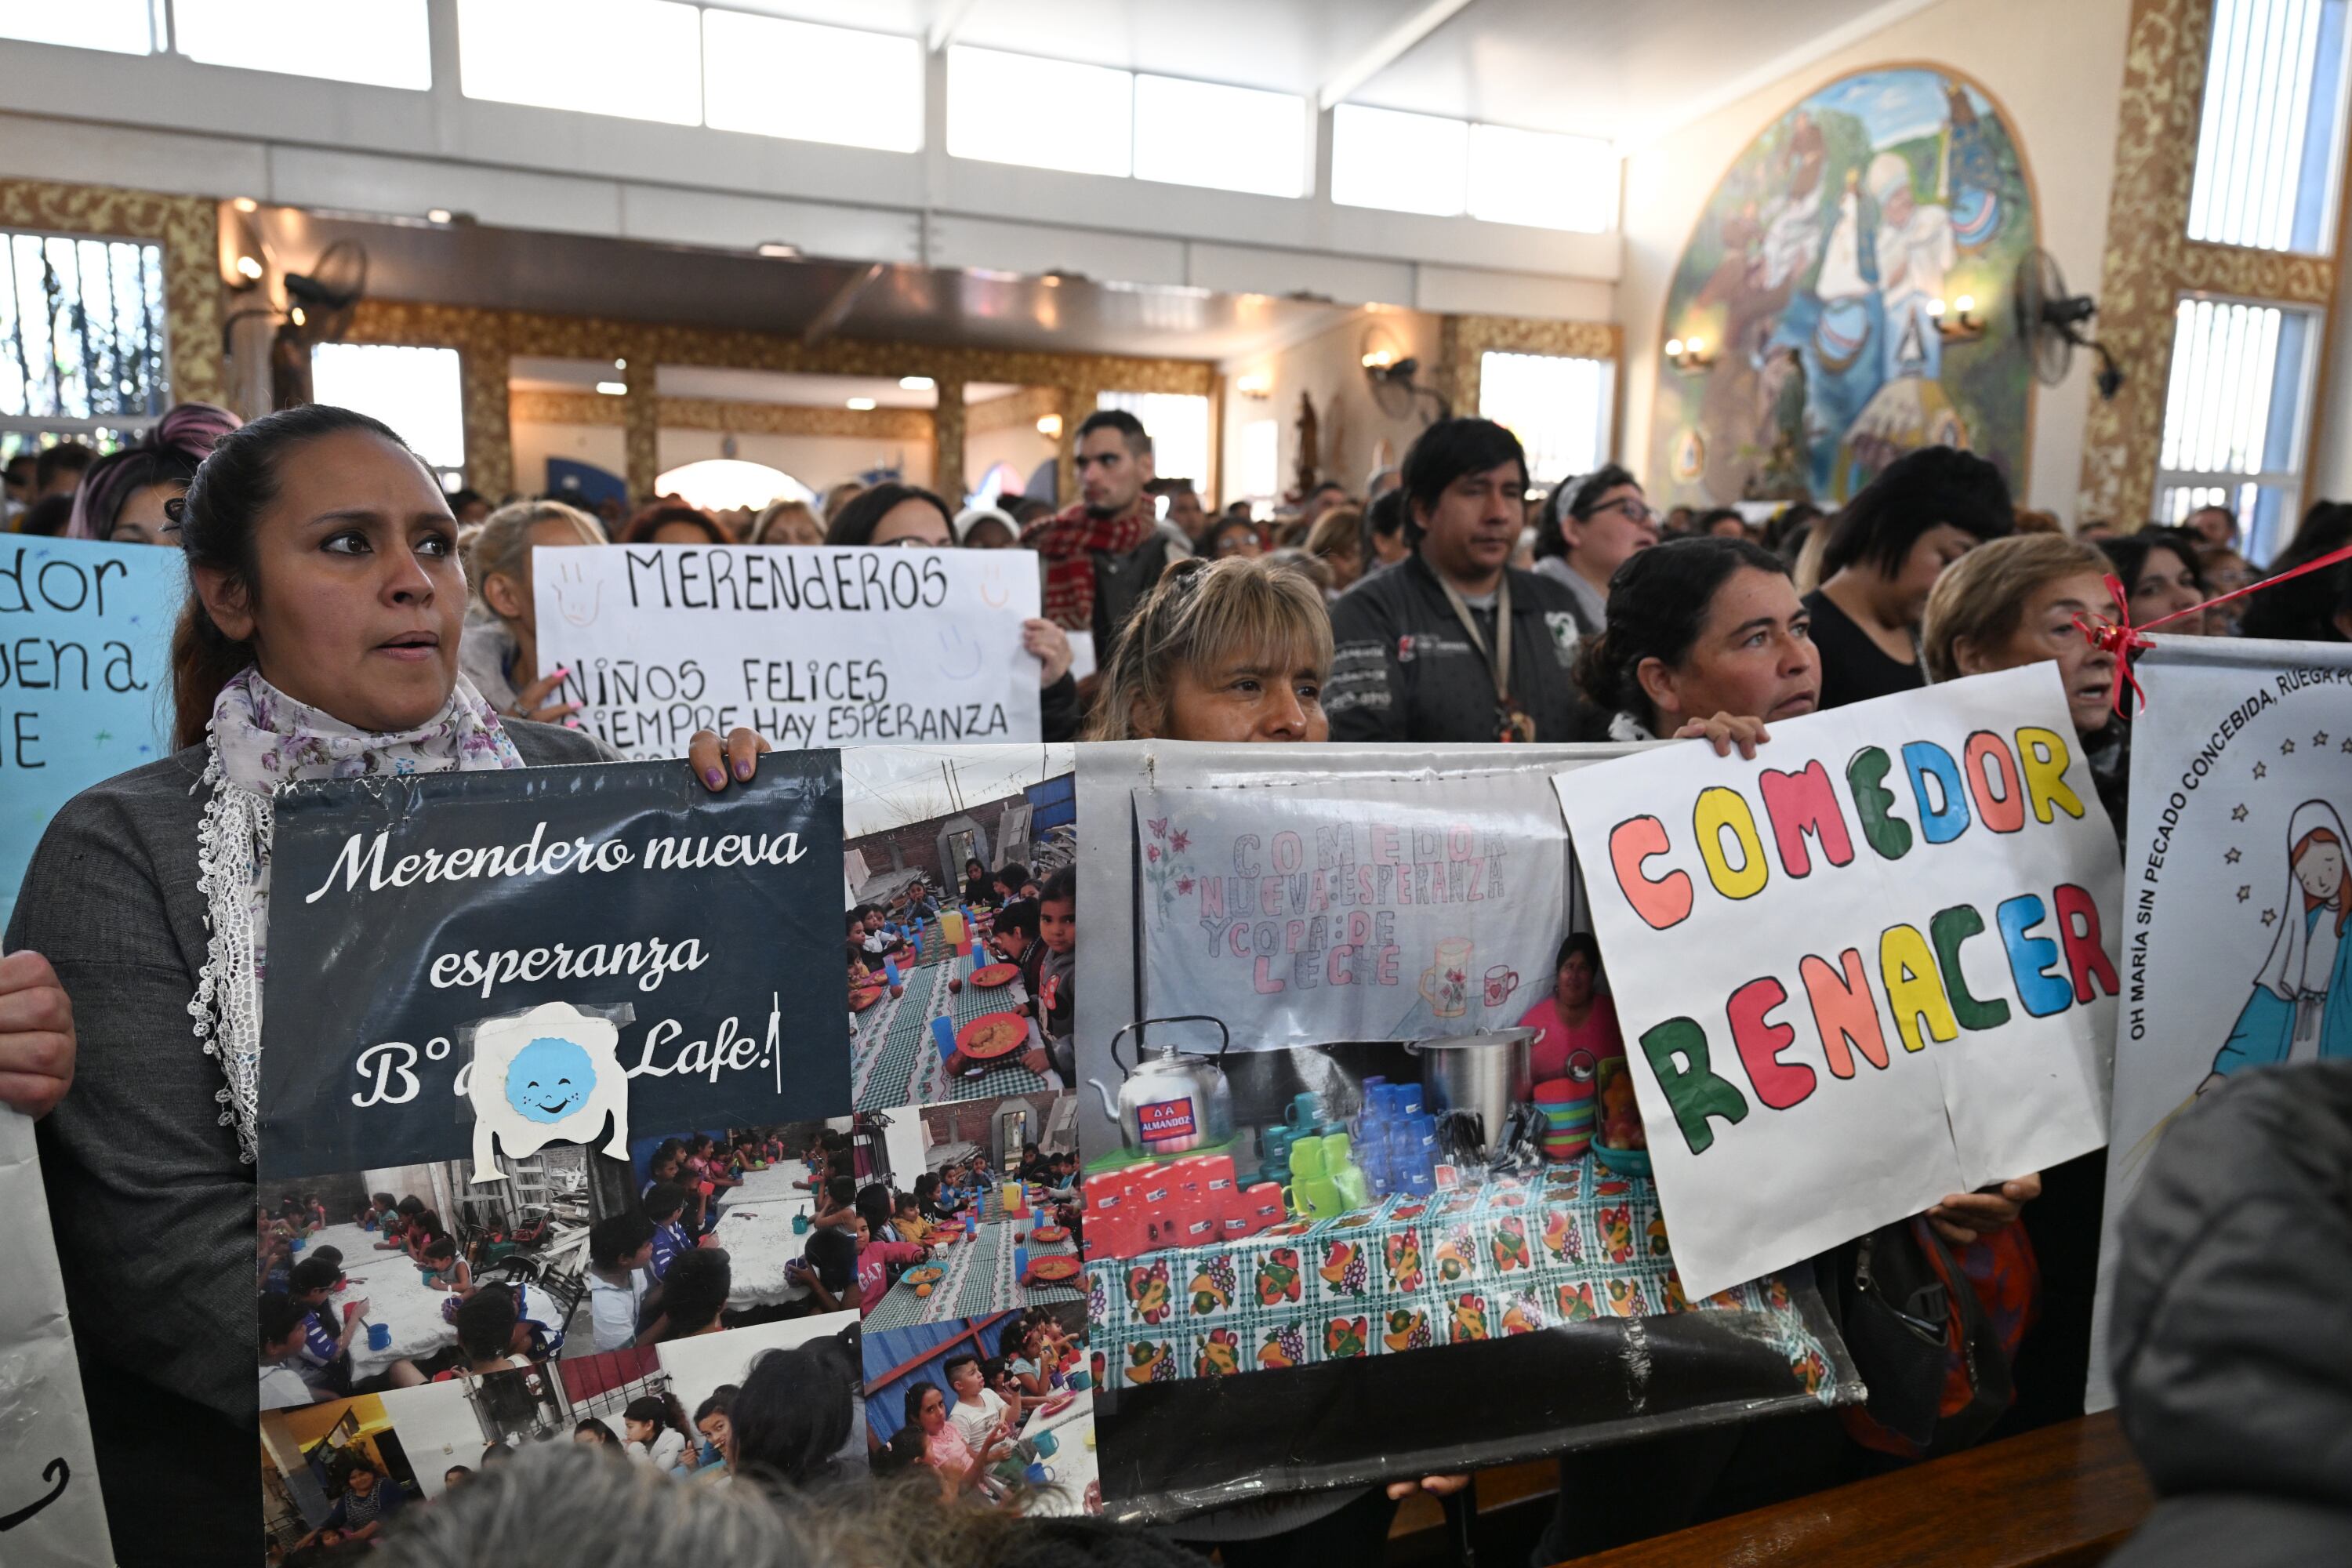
{"points": [[1170, 1102]]}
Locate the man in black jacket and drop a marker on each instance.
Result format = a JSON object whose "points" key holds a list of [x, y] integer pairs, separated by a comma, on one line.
{"points": [[1417, 655]]}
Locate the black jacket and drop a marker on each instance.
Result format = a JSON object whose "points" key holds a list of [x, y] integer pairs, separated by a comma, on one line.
{"points": [[1403, 668], [2231, 1337]]}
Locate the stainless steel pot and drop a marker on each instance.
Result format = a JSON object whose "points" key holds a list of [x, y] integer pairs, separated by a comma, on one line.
{"points": [[1488, 1076]]}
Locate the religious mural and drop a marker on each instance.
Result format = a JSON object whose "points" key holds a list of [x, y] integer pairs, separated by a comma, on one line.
{"points": [[1845, 298]]}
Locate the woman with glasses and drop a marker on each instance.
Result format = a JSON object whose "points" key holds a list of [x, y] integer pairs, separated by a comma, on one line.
{"points": [[1590, 528], [907, 517]]}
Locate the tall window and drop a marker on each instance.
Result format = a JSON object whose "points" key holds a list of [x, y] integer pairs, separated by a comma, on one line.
{"points": [[2272, 125], [82, 347], [2235, 415], [420, 393], [639, 58], [1558, 408], [1178, 426], [119, 26], [1427, 164], [380, 43]]}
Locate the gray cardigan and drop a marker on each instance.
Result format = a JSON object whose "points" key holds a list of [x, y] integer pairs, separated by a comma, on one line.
{"points": [[154, 1210]]}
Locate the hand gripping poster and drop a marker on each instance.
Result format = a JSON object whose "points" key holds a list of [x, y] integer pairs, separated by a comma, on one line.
{"points": [[1873, 966], [2235, 893], [810, 646]]}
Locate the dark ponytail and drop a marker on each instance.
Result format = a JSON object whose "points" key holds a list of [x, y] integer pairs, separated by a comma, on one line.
{"points": [[1658, 603], [232, 487]]}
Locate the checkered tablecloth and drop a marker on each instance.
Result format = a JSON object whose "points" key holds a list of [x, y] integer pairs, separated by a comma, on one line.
{"points": [[1509, 1258], [895, 1061], [979, 1280]]}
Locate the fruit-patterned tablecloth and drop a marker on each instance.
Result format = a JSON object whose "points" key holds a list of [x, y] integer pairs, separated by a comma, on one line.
{"points": [[894, 1060], [1509, 1258]]}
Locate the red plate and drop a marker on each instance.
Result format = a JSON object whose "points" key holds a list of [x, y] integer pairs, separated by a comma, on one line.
{"points": [[1049, 1233], [1053, 1270], [989, 977], [861, 1000], [991, 1036], [1056, 1404]]}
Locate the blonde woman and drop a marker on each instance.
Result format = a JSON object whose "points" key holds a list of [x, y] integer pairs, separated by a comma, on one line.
{"points": [[1338, 541], [499, 653], [787, 522], [1235, 649], [2016, 601]]}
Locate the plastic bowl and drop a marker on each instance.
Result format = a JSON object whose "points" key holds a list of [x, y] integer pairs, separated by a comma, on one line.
{"points": [[1625, 1161]]}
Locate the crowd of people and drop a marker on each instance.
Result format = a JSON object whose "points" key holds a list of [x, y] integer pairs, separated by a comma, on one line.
{"points": [[345, 615]]}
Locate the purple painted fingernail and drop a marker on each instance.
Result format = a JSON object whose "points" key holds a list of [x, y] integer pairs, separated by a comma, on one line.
{"points": [[743, 768], [715, 779]]}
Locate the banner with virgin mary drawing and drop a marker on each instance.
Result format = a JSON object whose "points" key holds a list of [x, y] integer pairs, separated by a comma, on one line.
{"points": [[2236, 900]]}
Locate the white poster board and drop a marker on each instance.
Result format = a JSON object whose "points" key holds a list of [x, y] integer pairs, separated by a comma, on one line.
{"points": [[1875, 966], [810, 646], [50, 1512], [1363, 910], [2243, 754]]}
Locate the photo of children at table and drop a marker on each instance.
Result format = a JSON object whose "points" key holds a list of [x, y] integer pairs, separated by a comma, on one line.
{"points": [[945, 1000], [954, 1399]]}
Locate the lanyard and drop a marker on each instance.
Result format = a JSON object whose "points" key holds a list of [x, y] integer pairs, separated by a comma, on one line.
{"points": [[1512, 723]]}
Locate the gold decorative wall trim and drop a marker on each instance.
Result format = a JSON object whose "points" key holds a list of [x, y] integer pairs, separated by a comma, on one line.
{"points": [[188, 227], [1463, 341], [1014, 410], [2260, 274], [793, 419], [483, 335], [531, 405]]}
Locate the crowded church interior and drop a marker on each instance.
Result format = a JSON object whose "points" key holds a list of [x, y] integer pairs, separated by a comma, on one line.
{"points": [[1860, 488]]}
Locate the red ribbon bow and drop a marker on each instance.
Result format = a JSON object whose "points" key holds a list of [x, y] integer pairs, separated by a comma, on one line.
{"points": [[2122, 639]]}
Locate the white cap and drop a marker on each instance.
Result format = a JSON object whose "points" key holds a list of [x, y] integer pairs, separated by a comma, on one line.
{"points": [[973, 516]]}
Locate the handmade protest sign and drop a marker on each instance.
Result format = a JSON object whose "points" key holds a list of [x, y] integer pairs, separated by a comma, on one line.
{"points": [[688, 938], [808, 646], [85, 683], [1871, 967], [50, 1512], [1389, 912], [2234, 891]]}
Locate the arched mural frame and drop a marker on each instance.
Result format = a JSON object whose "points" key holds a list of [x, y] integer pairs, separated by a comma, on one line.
{"points": [[1665, 424]]}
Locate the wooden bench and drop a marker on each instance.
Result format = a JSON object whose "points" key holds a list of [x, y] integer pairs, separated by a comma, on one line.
{"points": [[2063, 1497]]}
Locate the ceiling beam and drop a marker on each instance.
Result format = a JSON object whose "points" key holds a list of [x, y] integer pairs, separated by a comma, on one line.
{"points": [[947, 24], [1387, 50]]}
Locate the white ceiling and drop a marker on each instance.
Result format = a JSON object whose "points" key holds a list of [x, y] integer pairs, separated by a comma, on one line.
{"points": [[1602, 68]]}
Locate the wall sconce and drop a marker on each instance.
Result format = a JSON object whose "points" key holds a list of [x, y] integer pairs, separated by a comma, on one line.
{"points": [[1050, 426], [1957, 325], [1380, 358], [1257, 385], [1689, 355]]}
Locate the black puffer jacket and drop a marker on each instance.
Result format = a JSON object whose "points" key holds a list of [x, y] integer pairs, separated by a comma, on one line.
{"points": [[2233, 1326], [1403, 668]]}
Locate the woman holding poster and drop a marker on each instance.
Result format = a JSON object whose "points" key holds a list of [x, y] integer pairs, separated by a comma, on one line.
{"points": [[319, 640], [2301, 1006]]}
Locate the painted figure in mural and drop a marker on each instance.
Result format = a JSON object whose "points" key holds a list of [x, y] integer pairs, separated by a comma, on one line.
{"points": [[2301, 1009], [1812, 278]]}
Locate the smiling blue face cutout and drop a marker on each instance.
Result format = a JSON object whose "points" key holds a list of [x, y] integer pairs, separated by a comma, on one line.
{"points": [[550, 1079]]}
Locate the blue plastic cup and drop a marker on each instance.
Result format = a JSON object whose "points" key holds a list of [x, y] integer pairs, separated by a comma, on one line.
{"points": [[943, 1034], [379, 1336]]}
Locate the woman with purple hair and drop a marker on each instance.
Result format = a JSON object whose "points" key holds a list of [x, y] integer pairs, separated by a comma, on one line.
{"points": [[122, 496]]}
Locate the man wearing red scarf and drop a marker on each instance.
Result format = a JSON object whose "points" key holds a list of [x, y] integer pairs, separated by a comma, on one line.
{"points": [[1104, 554]]}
